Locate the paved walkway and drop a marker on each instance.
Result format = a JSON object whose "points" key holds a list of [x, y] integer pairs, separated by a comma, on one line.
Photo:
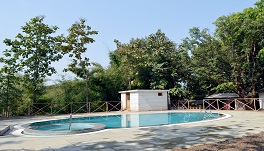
{"points": [[158, 138]]}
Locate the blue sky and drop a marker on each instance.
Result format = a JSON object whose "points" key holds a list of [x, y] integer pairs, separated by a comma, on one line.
{"points": [[116, 19]]}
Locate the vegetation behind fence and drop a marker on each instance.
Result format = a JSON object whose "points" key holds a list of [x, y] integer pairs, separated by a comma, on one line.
{"points": [[58, 108], [33, 109], [218, 104]]}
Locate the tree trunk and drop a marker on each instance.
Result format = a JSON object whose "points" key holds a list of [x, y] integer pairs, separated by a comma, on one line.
{"points": [[34, 93], [86, 93], [253, 86], [242, 85], [7, 97], [35, 78]]}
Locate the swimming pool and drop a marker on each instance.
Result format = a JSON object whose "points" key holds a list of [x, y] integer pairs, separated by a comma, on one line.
{"points": [[94, 123]]}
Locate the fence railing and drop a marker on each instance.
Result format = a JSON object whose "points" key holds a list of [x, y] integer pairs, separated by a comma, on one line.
{"points": [[232, 104], [58, 108], [219, 104], [180, 104], [7, 110]]}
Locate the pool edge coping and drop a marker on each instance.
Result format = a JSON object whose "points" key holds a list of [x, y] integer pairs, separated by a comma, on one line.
{"points": [[18, 129]]}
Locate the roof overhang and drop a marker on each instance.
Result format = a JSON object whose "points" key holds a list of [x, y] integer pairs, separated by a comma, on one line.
{"points": [[223, 96], [261, 90], [137, 91]]}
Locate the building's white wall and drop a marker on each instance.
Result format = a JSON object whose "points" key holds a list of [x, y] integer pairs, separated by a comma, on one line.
{"points": [[151, 101], [123, 101], [261, 100], [145, 100], [134, 105]]}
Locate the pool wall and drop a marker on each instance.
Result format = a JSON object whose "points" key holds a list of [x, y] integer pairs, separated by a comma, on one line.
{"points": [[61, 126]]}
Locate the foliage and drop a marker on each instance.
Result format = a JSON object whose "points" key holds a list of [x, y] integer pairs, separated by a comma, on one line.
{"points": [[106, 83], [149, 63], [76, 40], [34, 51], [209, 63], [10, 95], [79, 36], [231, 59], [242, 34]]}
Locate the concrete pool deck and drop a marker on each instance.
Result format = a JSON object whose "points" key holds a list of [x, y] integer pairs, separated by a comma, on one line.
{"points": [[167, 137]]}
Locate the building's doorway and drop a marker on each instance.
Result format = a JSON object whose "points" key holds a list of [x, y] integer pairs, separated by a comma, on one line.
{"points": [[128, 101]]}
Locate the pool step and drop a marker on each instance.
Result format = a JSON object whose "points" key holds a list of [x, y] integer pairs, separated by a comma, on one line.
{"points": [[29, 130], [4, 129]]}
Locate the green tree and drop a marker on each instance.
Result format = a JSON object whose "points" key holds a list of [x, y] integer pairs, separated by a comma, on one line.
{"points": [[242, 35], [209, 68], [150, 63], [253, 29], [129, 58], [9, 81], [105, 83], [78, 38], [34, 50]]}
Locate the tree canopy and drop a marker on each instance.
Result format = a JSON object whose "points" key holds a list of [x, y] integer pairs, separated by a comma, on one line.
{"points": [[229, 59]]}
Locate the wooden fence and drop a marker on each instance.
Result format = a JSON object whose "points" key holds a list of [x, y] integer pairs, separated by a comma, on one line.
{"points": [[232, 104], [219, 104], [33, 109]]}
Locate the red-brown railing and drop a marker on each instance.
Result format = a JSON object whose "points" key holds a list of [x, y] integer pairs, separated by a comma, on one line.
{"points": [[219, 104], [108, 106], [232, 104], [58, 108]]}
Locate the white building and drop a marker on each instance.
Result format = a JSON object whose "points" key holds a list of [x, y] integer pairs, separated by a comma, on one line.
{"points": [[144, 100], [261, 98]]}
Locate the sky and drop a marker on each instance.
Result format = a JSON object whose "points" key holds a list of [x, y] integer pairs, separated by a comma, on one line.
{"points": [[115, 19]]}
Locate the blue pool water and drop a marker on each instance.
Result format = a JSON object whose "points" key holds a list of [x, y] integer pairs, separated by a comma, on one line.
{"points": [[64, 126], [124, 120]]}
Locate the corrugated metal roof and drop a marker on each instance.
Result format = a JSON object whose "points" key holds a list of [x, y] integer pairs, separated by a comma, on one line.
{"points": [[223, 95]]}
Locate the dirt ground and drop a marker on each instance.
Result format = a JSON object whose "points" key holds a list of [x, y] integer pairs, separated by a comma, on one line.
{"points": [[247, 143]]}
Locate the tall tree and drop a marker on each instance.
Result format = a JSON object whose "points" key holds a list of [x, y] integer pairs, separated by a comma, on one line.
{"points": [[105, 83], [253, 29], [150, 63], [34, 50], [78, 38], [9, 80], [242, 34]]}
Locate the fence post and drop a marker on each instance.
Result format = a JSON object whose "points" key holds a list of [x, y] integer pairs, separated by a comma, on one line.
{"points": [[254, 104], [28, 108], [217, 104], [89, 107], [51, 106], [235, 104], [106, 103], [1, 109], [71, 106], [7, 110]]}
